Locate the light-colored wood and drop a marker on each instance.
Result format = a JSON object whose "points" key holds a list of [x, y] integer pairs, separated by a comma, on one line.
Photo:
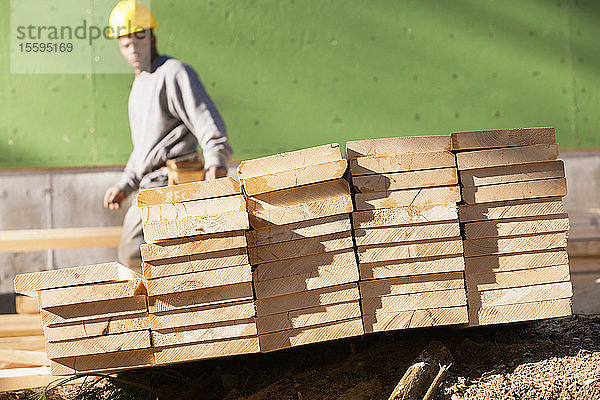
{"points": [[306, 299], [391, 321], [422, 249], [304, 265], [195, 263], [295, 177], [411, 284], [27, 305], [387, 269], [582, 264], [108, 362], [520, 312], [95, 310], [299, 230], [513, 262], [206, 350], [201, 297], [319, 333], [14, 379], [193, 209], [506, 156], [300, 248], [300, 204], [524, 294], [408, 233], [510, 209], [586, 292], [204, 333], [404, 215], [154, 231], [307, 317], [515, 191], [199, 280], [490, 246], [584, 248], [511, 279], [193, 245], [189, 192], [18, 241], [97, 327], [323, 277], [413, 301], [32, 282], [99, 344], [90, 293], [408, 198], [408, 144], [502, 138], [34, 342], [399, 162], [24, 358], [517, 226], [512, 173], [405, 180], [12, 325], [202, 315], [290, 160]]}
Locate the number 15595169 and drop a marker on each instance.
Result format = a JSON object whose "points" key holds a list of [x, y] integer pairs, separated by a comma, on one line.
{"points": [[33, 47]]}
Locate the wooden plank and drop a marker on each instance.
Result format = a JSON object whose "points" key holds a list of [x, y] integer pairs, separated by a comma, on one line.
{"points": [[300, 248], [12, 325], [513, 262], [422, 249], [525, 294], [502, 138], [32, 282], [395, 145], [410, 319], [194, 209], [189, 192], [18, 241], [405, 180], [510, 209], [408, 198], [107, 362], [512, 173], [413, 301], [582, 264], [323, 277], [33, 342], [307, 317], [517, 226], [97, 327], [311, 298], [387, 269], [515, 191], [520, 312], [206, 350], [399, 162], [99, 344], [204, 333], [27, 305], [14, 379], [202, 315], [506, 156], [300, 204], [586, 292], [511, 279], [304, 265], [411, 284], [201, 297], [489, 246], [290, 160], [299, 230], [95, 310], [90, 293], [154, 231], [193, 245], [404, 215], [584, 248], [319, 333], [408, 233], [23, 358], [199, 280]]}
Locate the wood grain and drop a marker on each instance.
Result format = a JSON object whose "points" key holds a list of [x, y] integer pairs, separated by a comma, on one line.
{"points": [[510, 209], [404, 215], [400, 162], [390, 321], [408, 198], [375, 253], [387, 269], [408, 144], [515, 191], [405, 180], [189, 192], [512, 173], [407, 233], [502, 138]]}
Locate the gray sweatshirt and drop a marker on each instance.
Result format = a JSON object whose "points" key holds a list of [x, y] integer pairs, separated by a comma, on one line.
{"points": [[169, 114]]}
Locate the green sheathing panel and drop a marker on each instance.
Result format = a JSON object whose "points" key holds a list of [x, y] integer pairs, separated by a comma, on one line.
{"points": [[291, 74]]}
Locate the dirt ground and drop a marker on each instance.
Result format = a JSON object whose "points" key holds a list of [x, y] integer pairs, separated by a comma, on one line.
{"points": [[553, 359]]}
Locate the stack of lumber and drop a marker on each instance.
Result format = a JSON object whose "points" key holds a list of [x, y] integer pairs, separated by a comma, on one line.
{"points": [[514, 224], [302, 248], [94, 317], [407, 231], [199, 279]]}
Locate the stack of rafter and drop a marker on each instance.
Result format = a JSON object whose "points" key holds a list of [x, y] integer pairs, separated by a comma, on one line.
{"points": [[407, 231], [302, 247], [199, 287], [94, 317], [514, 225]]}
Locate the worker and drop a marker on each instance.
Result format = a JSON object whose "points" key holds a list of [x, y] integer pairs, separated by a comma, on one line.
{"points": [[170, 113]]}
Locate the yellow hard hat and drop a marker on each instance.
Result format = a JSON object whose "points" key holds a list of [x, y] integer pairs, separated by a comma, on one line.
{"points": [[130, 16]]}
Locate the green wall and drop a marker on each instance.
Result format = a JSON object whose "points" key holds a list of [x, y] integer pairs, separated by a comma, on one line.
{"points": [[288, 74]]}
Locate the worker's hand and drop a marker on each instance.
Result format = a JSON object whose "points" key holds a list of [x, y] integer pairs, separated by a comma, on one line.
{"points": [[215, 172], [113, 198]]}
